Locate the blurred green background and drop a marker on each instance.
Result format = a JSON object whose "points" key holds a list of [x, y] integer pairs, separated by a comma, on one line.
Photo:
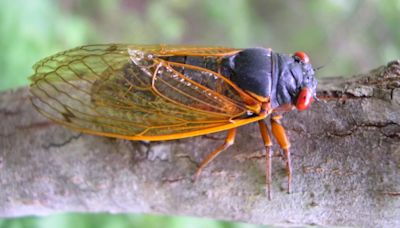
{"points": [[74, 220], [346, 37]]}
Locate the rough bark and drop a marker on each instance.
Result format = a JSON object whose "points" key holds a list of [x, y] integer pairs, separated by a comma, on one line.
{"points": [[346, 162]]}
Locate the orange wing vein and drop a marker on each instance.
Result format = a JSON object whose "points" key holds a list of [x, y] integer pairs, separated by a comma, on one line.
{"points": [[130, 92]]}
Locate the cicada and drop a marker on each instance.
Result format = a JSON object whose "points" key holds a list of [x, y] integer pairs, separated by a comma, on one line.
{"points": [[166, 92]]}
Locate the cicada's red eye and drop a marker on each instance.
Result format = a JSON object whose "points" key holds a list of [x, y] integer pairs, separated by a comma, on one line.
{"points": [[304, 99], [302, 56]]}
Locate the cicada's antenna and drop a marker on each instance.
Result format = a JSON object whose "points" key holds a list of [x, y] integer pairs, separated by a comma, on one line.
{"points": [[319, 68], [315, 94]]}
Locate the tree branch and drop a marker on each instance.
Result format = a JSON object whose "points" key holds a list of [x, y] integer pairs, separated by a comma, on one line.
{"points": [[346, 156]]}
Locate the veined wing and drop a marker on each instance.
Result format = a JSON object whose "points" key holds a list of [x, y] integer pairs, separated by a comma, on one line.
{"points": [[127, 91]]}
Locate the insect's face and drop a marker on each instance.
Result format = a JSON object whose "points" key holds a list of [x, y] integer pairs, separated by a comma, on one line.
{"points": [[297, 84], [308, 86]]}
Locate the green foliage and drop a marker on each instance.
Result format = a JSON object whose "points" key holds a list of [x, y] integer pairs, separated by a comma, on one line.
{"points": [[32, 30], [112, 221]]}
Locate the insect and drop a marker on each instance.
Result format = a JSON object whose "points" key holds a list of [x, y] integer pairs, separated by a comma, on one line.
{"points": [[165, 92]]}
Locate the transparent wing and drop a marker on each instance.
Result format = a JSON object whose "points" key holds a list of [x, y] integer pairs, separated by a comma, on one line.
{"points": [[126, 91]]}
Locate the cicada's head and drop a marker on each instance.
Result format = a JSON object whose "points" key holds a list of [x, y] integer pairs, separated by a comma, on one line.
{"points": [[297, 85]]}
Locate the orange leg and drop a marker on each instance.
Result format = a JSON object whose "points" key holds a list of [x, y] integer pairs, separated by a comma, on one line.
{"points": [[230, 139], [279, 133], [267, 143]]}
